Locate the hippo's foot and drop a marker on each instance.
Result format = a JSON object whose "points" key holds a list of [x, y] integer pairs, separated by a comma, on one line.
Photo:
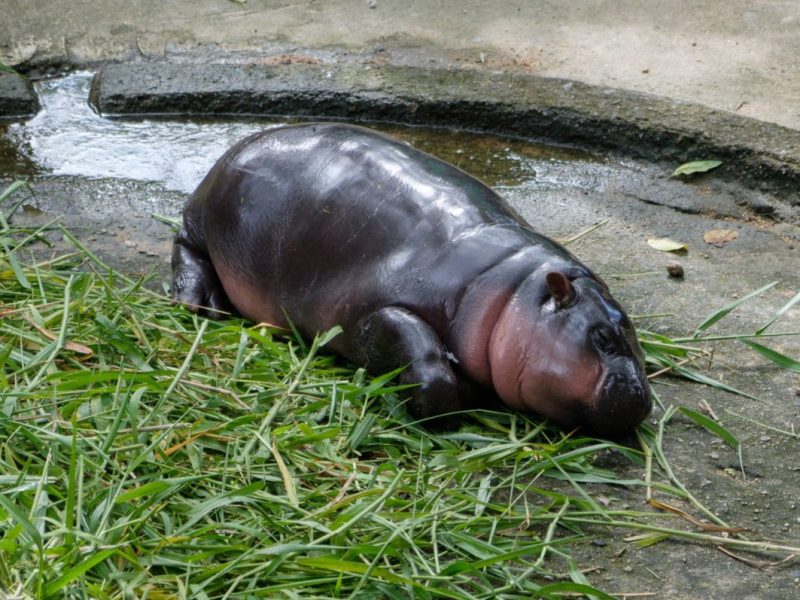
{"points": [[394, 337], [195, 282]]}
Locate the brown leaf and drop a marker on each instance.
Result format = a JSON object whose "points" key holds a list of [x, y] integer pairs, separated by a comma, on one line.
{"points": [[719, 237]]}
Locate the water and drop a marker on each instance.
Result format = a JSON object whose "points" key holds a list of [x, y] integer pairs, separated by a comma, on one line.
{"points": [[68, 138]]}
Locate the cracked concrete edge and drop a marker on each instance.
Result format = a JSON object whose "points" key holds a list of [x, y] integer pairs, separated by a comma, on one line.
{"points": [[17, 98], [632, 124]]}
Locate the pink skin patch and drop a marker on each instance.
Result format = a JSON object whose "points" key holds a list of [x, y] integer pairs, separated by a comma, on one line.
{"points": [[470, 341], [534, 367], [249, 301]]}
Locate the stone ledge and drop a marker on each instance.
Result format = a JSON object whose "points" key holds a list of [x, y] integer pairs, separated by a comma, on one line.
{"points": [[17, 98], [551, 110]]}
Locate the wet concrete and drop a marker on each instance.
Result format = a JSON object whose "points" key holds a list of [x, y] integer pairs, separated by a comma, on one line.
{"points": [[562, 193], [555, 111], [733, 55], [68, 138], [17, 98], [559, 194]]}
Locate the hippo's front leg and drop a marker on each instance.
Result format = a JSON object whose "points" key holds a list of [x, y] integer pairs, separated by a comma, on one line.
{"points": [[195, 282], [395, 337]]}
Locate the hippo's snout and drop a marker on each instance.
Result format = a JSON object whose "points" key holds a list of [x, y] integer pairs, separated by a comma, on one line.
{"points": [[623, 402]]}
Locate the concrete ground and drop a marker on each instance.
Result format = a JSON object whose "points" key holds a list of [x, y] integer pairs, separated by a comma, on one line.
{"points": [[730, 55], [733, 55]]}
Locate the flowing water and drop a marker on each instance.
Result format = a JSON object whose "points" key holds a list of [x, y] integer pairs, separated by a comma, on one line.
{"points": [[67, 137]]}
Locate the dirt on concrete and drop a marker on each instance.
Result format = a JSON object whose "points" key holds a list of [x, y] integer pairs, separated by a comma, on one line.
{"points": [[733, 56], [762, 499], [555, 111]]}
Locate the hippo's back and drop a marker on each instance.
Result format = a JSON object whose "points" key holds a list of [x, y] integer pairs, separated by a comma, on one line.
{"points": [[334, 220]]}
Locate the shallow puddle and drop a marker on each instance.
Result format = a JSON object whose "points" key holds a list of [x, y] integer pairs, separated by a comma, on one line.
{"points": [[67, 137]]}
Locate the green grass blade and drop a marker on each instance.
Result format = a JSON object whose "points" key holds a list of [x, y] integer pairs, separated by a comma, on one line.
{"points": [[360, 433], [725, 310], [567, 589], [327, 563], [779, 313], [71, 486], [15, 267], [711, 426], [11, 189], [21, 520], [695, 375], [148, 489], [776, 357], [54, 586]]}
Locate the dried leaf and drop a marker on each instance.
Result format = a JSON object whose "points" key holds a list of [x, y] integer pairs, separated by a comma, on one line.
{"points": [[758, 564], [719, 237], [696, 166], [667, 245], [74, 346], [682, 513]]}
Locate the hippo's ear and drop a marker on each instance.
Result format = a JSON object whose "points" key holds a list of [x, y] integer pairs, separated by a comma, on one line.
{"points": [[560, 288]]}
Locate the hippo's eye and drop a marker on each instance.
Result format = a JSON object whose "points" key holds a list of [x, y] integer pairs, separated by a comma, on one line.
{"points": [[605, 341]]}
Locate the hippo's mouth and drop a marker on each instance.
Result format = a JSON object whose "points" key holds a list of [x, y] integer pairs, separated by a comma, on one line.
{"points": [[622, 400]]}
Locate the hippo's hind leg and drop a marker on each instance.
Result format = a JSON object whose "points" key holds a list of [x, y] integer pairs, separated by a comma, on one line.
{"points": [[395, 337], [194, 280]]}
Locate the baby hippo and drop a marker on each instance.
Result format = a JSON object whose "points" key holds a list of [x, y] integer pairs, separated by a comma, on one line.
{"points": [[423, 267]]}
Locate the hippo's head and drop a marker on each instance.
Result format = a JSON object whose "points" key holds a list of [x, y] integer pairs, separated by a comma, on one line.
{"points": [[565, 349]]}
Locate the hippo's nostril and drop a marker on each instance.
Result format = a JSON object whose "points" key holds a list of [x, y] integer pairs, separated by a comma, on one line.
{"points": [[622, 387], [623, 403]]}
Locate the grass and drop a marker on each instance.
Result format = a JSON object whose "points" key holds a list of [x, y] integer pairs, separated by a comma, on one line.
{"points": [[4, 68], [148, 453]]}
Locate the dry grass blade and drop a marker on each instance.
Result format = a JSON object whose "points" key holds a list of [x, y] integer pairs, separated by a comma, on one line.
{"points": [[759, 564], [697, 523]]}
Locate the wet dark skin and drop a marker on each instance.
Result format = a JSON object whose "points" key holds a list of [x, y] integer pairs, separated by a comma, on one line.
{"points": [[423, 267]]}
